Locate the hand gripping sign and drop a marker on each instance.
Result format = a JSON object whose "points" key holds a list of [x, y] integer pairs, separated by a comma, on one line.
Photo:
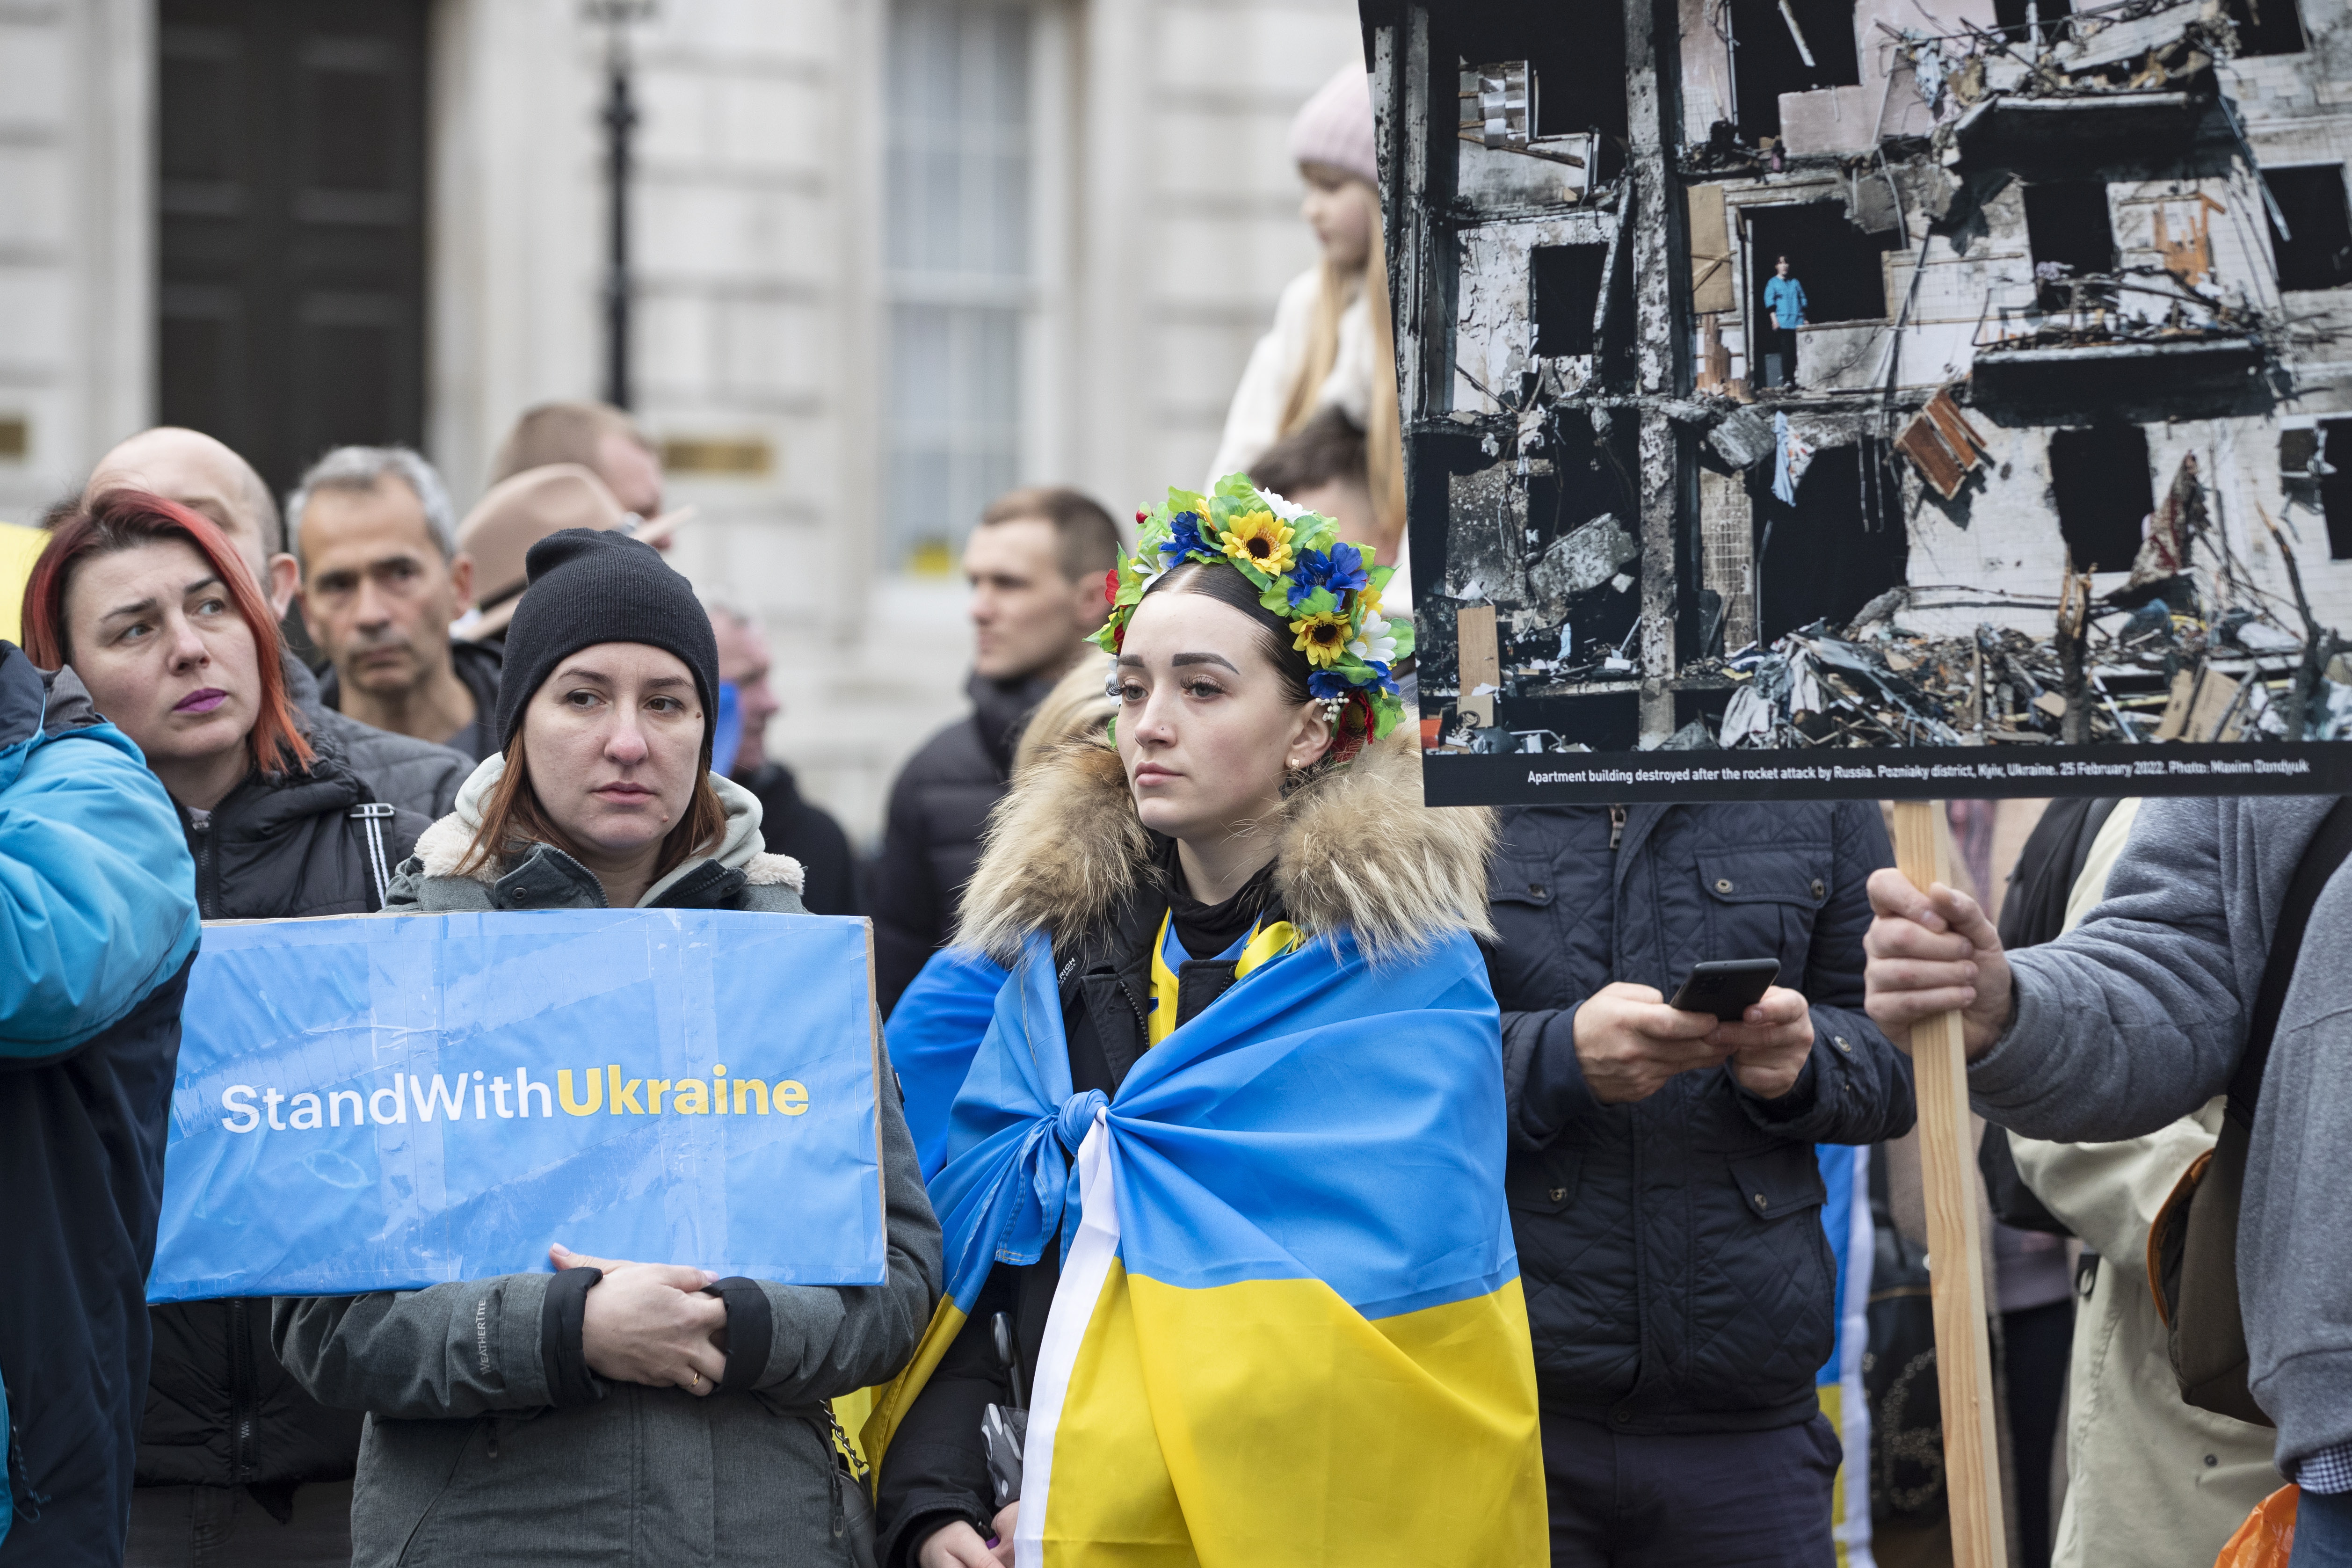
{"points": [[387, 1103]]}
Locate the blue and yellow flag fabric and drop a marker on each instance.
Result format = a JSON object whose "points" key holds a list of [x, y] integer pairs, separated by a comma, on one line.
{"points": [[1845, 1217], [1290, 1326], [933, 1031]]}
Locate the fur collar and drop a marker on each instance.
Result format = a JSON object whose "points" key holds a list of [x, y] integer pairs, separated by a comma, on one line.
{"points": [[1356, 849]]}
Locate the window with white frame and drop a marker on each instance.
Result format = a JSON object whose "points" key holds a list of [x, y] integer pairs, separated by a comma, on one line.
{"points": [[961, 283]]}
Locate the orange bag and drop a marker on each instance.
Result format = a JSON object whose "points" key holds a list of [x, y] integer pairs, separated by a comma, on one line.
{"points": [[2267, 1537]]}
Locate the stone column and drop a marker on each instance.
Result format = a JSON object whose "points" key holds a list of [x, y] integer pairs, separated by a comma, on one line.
{"points": [[1649, 206]]}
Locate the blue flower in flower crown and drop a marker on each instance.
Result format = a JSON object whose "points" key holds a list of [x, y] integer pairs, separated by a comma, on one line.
{"points": [[1184, 538], [1328, 685], [1348, 573], [1341, 571], [1310, 569]]}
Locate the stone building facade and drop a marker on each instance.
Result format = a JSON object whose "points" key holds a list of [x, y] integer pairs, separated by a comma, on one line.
{"points": [[888, 256]]}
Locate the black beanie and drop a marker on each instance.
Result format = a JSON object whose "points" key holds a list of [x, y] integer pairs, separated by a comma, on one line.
{"points": [[586, 586]]}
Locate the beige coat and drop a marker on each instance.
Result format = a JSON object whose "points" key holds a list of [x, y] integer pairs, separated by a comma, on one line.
{"points": [[2151, 1480]]}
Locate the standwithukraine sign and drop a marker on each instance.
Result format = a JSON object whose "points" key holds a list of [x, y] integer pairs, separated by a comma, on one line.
{"points": [[389, 1103]]}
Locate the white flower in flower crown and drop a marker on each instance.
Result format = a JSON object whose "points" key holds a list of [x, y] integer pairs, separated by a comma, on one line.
{"points": [[1147, 565], [1287, 510], [1375, 642]]}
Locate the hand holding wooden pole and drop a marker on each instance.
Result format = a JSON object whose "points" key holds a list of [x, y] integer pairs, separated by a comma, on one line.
{"points": [[1955, 1259]]}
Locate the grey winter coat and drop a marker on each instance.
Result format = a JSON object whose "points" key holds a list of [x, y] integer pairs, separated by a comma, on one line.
{"points": [[488, 1440], [2137, 1018]]}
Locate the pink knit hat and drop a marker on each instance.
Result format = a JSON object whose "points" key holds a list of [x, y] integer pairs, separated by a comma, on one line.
{"points": [[1336, 126]]}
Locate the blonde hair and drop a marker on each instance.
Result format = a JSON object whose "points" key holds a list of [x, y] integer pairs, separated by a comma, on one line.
{"points": [[1383, 437], [1080, 706]]}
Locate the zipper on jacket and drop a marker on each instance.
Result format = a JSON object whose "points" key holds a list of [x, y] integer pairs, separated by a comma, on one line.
{"points": [[1616, 825], [1142, 1021], [243, 1415], [208, 895]]}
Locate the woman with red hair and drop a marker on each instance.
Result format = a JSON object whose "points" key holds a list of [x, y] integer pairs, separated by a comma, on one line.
{"points": [[150, 605]]}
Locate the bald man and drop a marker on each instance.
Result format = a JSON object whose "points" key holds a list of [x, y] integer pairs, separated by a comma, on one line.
{"points": [[203, 475]]}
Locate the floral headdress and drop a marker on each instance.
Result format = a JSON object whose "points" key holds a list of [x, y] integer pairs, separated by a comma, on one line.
{"points": [[1325, 588]]}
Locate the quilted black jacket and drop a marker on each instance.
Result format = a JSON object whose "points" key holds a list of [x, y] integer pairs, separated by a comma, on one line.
{"points": [[1677, 1276]]}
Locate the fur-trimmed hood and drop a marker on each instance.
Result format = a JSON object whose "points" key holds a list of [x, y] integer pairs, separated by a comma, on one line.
{"points": [[1355, 849], [441, 848]]}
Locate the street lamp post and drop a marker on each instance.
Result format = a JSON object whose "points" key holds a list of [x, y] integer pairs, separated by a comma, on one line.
{"points": [[620, 119]]}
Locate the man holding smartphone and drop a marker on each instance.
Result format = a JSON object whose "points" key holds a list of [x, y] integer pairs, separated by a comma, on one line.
{"points": [[1664, 1191]]}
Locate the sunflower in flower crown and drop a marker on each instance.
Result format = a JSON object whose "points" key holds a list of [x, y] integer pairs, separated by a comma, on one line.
{"points": [[1324, 589]]}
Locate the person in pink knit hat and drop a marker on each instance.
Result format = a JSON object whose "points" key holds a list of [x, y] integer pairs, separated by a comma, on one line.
{"points": [[1331, 353]]}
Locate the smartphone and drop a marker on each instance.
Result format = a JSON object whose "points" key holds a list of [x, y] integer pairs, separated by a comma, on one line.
{"points": [[1727, 987]]}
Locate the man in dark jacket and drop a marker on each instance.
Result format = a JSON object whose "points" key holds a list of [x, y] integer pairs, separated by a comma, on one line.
{"points": [[1662, 1185], [788, 824], [1036, 565], [204, 476], [98, 927], [383, 578]]}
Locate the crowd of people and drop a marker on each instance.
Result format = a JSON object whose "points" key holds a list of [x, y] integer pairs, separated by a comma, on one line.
{"points": [[1511, 1257]]}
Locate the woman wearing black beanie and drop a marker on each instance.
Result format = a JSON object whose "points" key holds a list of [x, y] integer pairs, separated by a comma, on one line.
{"points": [[635, 1413], [602, 794]]}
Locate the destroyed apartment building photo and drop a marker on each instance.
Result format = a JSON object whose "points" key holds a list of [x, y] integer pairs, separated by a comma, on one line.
{"points": [[1783, 375]]}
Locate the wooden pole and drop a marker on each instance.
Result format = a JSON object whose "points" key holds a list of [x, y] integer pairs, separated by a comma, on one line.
{"points": [[1955, 1258]]}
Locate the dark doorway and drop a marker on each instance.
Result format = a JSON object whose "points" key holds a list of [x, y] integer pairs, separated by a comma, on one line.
{"points": [[1839, 547], [1577, 53], [2267, 26], [1766, 60], [1567, 282], [2336, 488], [2311, 197], [292, 196], [2099, 483], [1838, 264], [2067, 224]]}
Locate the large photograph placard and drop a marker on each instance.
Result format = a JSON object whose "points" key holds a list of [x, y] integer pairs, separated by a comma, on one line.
{"points": [[390, 1102], [1904, 427]]}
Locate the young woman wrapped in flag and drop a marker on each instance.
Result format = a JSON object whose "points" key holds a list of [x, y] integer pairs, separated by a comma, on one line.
{"points": [[1228, 1165]]}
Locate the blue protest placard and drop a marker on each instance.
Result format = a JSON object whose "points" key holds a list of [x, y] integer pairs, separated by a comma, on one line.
{"points": [[388, 1102]]}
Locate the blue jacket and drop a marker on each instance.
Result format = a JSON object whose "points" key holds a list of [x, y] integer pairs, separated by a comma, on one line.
{"points": [[1677, 1277], [98, 927], [1785, 298]]}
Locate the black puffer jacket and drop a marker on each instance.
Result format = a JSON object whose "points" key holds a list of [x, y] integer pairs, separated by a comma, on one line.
{"points": [[1677, 1273], [220, 1410], [413, 774], [938, 808]]}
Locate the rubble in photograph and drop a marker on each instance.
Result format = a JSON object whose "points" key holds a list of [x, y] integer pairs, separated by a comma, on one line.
{"points": [[1790, 373]]}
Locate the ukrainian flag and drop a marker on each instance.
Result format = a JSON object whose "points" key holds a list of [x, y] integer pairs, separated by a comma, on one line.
{"points": [[1289, 1328], [939, 1020], [1845, 1217]]}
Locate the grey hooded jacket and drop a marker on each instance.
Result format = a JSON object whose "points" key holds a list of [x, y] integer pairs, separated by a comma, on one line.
{"points": [[2137, 1018], [737, 875], [488, 1441]]}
